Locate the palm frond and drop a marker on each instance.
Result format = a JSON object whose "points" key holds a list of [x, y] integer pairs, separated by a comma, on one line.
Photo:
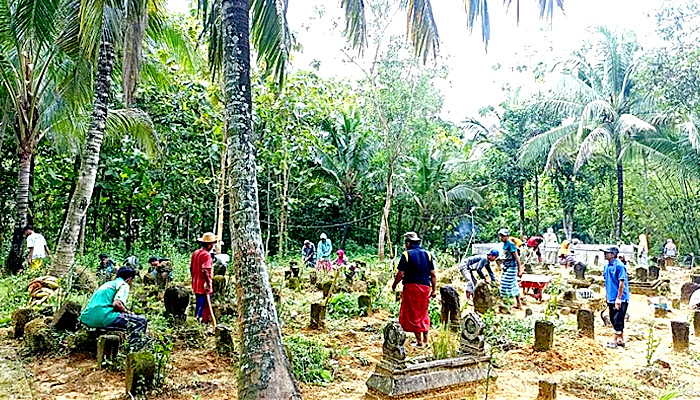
{"points": [[479, 9], [355, 23], [135, 123], [585, 152], [464, 192], [632, 126], [270, 35], [690, 129], [421, 28], [539, 146]]}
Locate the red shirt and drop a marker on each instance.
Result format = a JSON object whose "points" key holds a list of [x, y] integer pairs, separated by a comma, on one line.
{"points": [[200, 269], [534, 241]]}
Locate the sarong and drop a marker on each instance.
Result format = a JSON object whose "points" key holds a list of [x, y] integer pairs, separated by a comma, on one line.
{"points": [[413, 315], [509, 280]]}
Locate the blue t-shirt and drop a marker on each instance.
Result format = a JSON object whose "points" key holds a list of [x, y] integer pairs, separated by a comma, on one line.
{"points": [[614, 272], [508, 249], [416, 265]]}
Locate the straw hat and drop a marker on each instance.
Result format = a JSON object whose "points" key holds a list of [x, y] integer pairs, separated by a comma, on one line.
{"points": [[411, 237], [207, 238]]}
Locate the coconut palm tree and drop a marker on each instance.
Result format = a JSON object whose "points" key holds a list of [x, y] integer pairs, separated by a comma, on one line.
{"points": [[344, 158], [605, 117]]}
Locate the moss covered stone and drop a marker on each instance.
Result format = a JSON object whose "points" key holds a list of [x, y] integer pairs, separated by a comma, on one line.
{"points": [[140, 372], [66, 319], [82, 342], [219, 283], [38, 337], [19, 319]]}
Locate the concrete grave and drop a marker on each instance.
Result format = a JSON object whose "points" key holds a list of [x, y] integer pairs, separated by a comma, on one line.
{"points": [[395, 377], [66, 319]]}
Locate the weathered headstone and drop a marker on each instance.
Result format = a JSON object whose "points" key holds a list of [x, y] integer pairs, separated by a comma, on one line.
{"points": [[224, 340], [326, 288], [580, 270], [293, 283], [569, 295], [450, 309], [472, 339], [696, 322], [586, 323], [687, 290], [176, 299], [654, 272], [318, 316], [483, 300], [107, 348], [67, 317], [219, 283], [393, 350], [20, 318], [681, 335], [528, 312], [140, 372], [544, 335], [641, 274], [548, 390], [364, 302], [38, 336]]}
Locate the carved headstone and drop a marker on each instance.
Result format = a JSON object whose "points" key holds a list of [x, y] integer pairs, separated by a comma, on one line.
{"points": [[140, 372], [654, 272], [641, 274], [66, 318], [681, 335], [580, 270], [687, 290], [393, 350], [586, 323], [225, 339], [483, 300], [472, 338], [450, 311]]}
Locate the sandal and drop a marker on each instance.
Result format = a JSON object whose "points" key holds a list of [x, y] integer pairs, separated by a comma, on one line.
{"points": [[612, 345]]}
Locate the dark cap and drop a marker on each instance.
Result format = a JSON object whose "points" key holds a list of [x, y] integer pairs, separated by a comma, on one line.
{"points": [[610, 249]]}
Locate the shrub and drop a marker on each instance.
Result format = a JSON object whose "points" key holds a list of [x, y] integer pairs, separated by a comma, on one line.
{"points": [[309, 359], [343, 305]]}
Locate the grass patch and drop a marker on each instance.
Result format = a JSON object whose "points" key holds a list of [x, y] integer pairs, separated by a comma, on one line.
{"points": [[599, 385], [310, 359]]}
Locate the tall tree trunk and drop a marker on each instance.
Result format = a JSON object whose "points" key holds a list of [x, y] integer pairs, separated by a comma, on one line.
{"points": [[620, 199], [133, 50], [384, 235], [284, 210], [537, 204], [65, 249], [129, 238], [264, 370], [15, 259], [221, 200], [96, 208], [521, 207], [81, 237]]}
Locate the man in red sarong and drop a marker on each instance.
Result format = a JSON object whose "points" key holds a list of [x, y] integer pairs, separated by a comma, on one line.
{"points": [[417, 271]]}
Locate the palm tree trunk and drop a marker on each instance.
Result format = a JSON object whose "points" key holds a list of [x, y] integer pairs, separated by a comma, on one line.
{"points": [[620, 198], [15, 259], [221, 201], [264, 370], [133, 51], [384, 225], [537, 203], [521, 207]]}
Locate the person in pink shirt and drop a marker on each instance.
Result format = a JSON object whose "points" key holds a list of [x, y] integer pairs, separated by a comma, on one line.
{"points": [[201, 271]]}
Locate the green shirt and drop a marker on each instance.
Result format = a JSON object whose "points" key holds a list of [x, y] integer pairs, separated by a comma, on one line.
{"points": [[99, 311]]}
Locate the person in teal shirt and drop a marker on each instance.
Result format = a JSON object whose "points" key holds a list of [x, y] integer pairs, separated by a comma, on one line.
{"points": [[324, 249], [107, 308]]}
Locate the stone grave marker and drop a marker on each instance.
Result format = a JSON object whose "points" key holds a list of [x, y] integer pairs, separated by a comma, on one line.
{"points": [[176, 299], [580, 270], [66, 319], [586, 323], [696, 322], [681, 335], [107, 348], [472, 339], [140, 372], [544, 335], [547, 390], [687, 290], [364, 302], [641, 274], [318, 316], [20, 318], [450, 310], [483, 300], [654, 272], [224, 340]]}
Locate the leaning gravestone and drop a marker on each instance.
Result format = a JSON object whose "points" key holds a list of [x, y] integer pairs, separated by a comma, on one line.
{"points": [[654, 272], [687, 290], [224, 340], [450, 311], [681, 335], [483, 300], [586, 323], [641, 274], [66, 319], [140, 372], [580, 270]]}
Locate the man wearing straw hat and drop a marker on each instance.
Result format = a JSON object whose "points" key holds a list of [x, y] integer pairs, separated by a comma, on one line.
{"points": [[201, 271]]}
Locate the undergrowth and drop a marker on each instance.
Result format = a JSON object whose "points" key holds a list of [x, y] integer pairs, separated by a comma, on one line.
{"points": [[599, 385], [310, 359]]}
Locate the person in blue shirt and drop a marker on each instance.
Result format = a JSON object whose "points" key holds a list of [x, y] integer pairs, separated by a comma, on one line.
{"points": [[511, 269], [477, 264], [617, 290], [324, 249]]}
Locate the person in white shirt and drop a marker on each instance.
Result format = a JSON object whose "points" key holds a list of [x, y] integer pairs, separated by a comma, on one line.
{"points": [[38, 249]]}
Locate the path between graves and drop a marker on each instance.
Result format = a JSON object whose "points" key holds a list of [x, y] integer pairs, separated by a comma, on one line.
{"points": [[13, 376]]}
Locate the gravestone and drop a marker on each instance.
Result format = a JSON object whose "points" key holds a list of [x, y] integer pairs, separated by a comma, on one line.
{"points": [[654, 272], [219, 283], [544, 335], [176, 299], [472, 339], [483, 300], [295, 270], [107, 348], [580, 270], [318, 316], [569, 295], [393, 350], [695, 279], [364, 302], [313, 278], [20, 318], [696, 322], [687, 290], [450, 310], [681, 335], [586, 323], [547, 390], [528, 312], [140, 372], [224, 340], [66, 319], [641, 274]]}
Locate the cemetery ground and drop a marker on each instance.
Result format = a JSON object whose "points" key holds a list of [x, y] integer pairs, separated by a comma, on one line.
{"points": [[336, 361]]}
